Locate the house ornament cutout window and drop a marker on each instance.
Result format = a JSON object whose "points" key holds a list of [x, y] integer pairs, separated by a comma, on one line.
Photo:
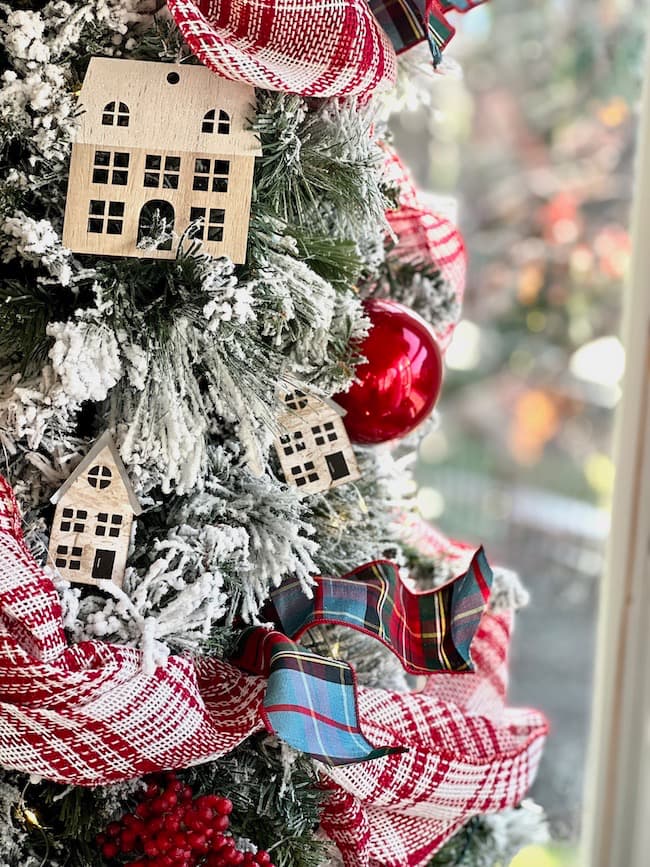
{"points": [[115, 114], [212, 123], [95, 509], [147, 127]]}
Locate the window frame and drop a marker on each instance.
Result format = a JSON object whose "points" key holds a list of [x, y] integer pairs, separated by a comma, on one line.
{"points": [[617, 786]]}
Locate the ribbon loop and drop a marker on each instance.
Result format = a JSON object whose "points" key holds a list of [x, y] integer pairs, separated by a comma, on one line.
{"points": [[311, 701]]}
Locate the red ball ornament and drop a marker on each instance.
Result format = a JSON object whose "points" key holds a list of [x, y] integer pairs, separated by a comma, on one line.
{"points": [[400, 381]]}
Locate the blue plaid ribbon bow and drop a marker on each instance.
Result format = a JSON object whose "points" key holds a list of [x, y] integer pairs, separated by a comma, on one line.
{"points": [[311, 700]]}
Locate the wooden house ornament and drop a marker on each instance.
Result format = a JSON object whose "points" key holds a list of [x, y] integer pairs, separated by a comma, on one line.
{"points": [[160, 143], [94, 514], [314, 449]]}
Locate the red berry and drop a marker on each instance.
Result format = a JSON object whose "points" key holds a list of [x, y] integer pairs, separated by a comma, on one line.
{"points": [[220, 823], [262, 857], [164, 842], [217, 842], [127, 841], [168, 800], [150, 848], [187, 793], [193, 820], [155, 825], [109, 849], [223, 806], [178, 839], [142, 810], [113, 829], [235, 857], [158, 805], [204, 808], [198, 841], [171, 823]]}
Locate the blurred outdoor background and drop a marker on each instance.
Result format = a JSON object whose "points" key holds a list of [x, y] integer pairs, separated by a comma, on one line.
{"points": [[536, 138]]}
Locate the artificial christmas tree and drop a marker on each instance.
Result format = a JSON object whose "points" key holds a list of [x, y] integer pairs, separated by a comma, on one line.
{"points": [[259, 644]]}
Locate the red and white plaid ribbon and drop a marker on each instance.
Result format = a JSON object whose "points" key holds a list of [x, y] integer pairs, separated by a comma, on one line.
{"points": [[424, 237], [468, 754], [299, 46], [89, 714]]}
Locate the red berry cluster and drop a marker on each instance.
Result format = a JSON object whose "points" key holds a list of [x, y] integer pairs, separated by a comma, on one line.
{"points": [[172, 828]]}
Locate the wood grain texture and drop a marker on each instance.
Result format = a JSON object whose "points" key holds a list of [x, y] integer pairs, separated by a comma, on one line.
{"points": [[314, 449], [152, 152]]}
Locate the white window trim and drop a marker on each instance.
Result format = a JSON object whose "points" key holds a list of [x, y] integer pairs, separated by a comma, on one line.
{"points": [[616, 826]]}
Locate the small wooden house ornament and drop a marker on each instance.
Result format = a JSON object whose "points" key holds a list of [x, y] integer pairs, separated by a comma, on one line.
{"points": [[314, 450], [94, 514], [160, 142]]}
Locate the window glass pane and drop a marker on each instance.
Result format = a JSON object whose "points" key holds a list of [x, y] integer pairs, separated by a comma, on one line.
{"points": [[542, 162]]}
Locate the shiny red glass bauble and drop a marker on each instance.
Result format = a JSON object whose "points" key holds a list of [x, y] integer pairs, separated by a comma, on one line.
{"points": [[400, 381]]}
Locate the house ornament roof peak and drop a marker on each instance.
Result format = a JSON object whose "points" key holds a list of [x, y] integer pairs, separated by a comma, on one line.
{"points": [[105, 441]]}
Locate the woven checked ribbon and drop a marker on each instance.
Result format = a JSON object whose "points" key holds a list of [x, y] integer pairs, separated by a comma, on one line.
{"points": [[422, 237], [467, 754], [90, 714], [338, 48], [298, 46], [311, 701]]}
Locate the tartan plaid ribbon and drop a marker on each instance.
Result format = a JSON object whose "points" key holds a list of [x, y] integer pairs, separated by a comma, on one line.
{"points": [[459, 5], [409, 22], [468, 754], [311, 701], [429, 631]]}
